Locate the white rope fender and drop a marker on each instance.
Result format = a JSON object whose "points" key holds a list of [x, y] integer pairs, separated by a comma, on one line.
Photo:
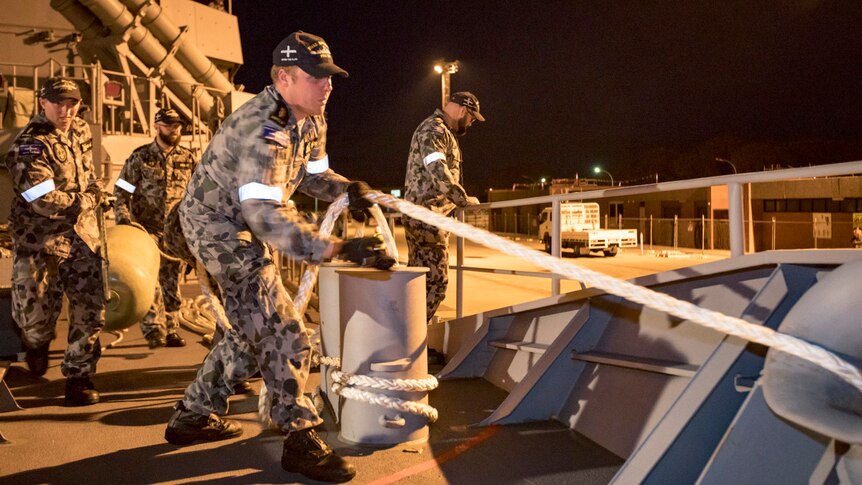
{"points": [[638, 294]]}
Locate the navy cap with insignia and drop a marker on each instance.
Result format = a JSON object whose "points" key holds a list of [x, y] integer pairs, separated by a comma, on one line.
{"points": [[309, 52], [469, 101], [168, 116], [56, 89]]}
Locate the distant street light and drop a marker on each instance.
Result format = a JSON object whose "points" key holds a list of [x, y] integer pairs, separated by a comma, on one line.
{"points": [[728, 162], [600, 170], [445, 69]]}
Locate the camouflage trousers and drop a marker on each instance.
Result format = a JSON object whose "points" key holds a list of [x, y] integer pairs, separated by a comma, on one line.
{"points": [[38, 283], [163, 316], [428, 246], [267, 333]]}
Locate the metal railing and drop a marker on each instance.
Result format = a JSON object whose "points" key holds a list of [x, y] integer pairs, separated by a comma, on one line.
{"points": [[732, 228], [120, 103]]}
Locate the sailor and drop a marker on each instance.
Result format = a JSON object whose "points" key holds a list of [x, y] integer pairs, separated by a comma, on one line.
{"points": [[55, 238], [434, 181], [234, 209], [151, 182]]}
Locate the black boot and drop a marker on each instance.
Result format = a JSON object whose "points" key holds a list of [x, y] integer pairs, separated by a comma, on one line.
{"points": [[37, 359], [174, 340], [305, 453], [154, 340], [80, 391], [186, 427]]}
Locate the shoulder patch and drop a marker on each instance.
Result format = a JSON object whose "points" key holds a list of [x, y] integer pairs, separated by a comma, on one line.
{"points": [[275, 135], [34, 149], [60, 152]]}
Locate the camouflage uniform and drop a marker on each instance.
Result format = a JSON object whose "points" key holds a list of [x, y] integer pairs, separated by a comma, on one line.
{"points": [[260, 155], [432, 181], [56, 240], [150, 184]]}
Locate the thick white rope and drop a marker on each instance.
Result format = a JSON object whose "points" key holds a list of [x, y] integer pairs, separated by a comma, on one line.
{"points": [[638, 294], [411, 385], [388, 402], [383, 230], [195, 316]]}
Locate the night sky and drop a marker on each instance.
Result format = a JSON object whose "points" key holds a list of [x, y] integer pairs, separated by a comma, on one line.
{"points": [[639, 87]]}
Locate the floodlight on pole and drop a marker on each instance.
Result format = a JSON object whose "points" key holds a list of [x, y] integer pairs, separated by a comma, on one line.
{"points": [[445, 69], [600, 170]]}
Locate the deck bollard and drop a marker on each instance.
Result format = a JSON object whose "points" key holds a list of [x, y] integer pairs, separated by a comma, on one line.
{"points": [[330, 328], [383, 334]]}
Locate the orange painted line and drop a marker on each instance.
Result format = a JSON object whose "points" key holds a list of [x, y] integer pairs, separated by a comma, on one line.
{"points": [[443, 458]]}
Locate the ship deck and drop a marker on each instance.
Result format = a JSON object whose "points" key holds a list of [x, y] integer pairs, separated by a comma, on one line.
{"points": [[120, 439]]}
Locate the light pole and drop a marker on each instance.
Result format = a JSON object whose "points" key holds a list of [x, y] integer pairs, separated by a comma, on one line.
{"points": [[728, 162], [748, 218], [445, 69], [600, 170]]}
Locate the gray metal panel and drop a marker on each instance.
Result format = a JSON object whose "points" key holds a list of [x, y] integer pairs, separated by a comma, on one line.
{"points": [[644, 332], [23, 37], [681, 443], [618, 407], [473, 357], [508, 366], [760, 448], [216, 33], [546, 387]]}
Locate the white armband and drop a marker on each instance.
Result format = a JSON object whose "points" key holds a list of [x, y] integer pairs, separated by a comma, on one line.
{"points": [[434, 157], [125, 186], [255, 190], [318, 166], [38, 190]]}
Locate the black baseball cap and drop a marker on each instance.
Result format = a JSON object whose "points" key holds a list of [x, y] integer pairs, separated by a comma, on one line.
{"points": [[469, 101], [309, 52], [56, 89], [168, 116]]}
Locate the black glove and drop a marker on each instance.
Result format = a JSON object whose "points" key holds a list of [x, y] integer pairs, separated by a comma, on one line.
{"points": [[103, 199], [367, 252], [106, 200], [357, 203]]}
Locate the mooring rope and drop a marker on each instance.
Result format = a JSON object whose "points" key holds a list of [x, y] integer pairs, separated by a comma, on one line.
{"points": [[638, 294]]}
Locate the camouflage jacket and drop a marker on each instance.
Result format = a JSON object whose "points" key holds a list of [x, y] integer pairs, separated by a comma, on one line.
{"points": [[53, 174], [434, 167], [150, 183], [261, 155]]}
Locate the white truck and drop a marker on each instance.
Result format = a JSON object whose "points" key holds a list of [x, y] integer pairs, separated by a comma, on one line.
{"points": [[580, 230]]}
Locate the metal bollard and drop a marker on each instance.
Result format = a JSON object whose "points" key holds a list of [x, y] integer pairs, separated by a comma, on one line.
{"points": [[330, 328], [384, 334]]}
